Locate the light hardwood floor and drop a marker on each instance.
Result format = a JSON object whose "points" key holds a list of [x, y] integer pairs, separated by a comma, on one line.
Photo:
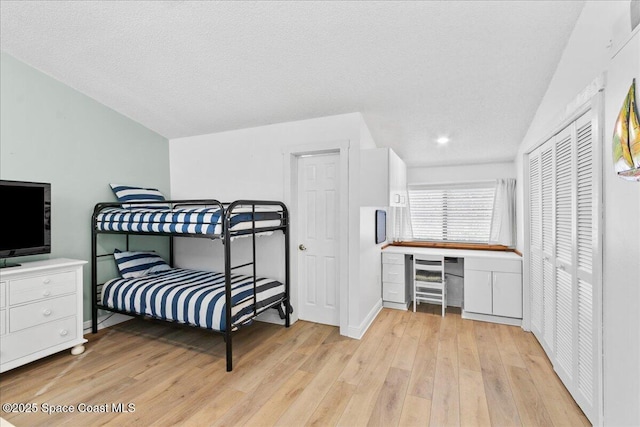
{"points": [[410, 369]]}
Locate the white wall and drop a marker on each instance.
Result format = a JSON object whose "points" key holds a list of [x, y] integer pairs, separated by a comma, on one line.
{"points": [[464, 173], [249, 164], [621, 282], [53, 133], [586, 57], [370, 267]]}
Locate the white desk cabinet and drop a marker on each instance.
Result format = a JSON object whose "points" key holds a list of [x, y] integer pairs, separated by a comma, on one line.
{"points": [[383, 178], [493, 287], [492, 282], [40, 311], [395, 289]]}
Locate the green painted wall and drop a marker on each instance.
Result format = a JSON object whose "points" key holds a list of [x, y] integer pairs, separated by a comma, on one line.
{"points": [[50, 132]]}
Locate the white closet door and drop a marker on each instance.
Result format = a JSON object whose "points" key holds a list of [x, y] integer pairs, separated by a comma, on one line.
{"points": [[564, 238], [548, 246], [535, 242], [587, 314], [565, 265]]}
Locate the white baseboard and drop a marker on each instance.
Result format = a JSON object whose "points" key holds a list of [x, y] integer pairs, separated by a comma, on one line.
{"points": [[107, 320], [396, 305], [273, 316], [493, 319], [359, 331]]}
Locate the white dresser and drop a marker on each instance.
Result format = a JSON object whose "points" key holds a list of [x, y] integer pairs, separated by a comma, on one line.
{"points": [[40, 310]]}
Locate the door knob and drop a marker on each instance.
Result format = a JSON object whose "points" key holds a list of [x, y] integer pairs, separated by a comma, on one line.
{"points": [[302, 247]]}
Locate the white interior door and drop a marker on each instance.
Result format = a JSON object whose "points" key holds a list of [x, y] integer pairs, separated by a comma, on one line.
{"points": [[318, 245]]}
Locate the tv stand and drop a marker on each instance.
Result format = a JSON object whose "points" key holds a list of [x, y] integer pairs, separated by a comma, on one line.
{"points": [[40, 311]]}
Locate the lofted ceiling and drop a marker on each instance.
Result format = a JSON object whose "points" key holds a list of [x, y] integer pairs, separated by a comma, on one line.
{"points": [[474, 71]]}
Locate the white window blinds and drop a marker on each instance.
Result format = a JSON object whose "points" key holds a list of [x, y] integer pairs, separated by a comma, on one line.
{"points": [[452, 213]]}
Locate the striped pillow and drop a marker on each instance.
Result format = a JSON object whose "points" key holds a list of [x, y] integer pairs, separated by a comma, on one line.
{"points": [[127, 193], [138, 264]]}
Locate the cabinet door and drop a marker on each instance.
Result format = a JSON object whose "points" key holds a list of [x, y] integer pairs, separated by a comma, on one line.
{"points": [[397, 180], [477, 291], [507, 294]]}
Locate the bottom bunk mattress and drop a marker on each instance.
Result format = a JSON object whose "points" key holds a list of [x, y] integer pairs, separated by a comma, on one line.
{"points": [[192, 297]]}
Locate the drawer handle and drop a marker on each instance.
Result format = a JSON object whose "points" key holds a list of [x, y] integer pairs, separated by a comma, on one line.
{"points": [[46, 293], [64, 332], [46, 281], [46, 312], [393, 292]]}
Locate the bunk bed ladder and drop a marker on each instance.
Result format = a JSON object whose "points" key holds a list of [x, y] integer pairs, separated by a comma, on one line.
{"points": [[227, 291], [253, 241]]}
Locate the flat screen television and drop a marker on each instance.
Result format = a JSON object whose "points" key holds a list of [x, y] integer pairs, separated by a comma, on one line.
{"points": [[25, 218], [381, 226]]}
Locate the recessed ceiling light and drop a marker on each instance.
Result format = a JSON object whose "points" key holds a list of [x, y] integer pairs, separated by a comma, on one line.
{"points": [[442, 140]]}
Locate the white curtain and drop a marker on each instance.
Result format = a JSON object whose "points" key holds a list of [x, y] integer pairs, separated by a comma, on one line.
{"points": [[503, 224], [399, 224]]}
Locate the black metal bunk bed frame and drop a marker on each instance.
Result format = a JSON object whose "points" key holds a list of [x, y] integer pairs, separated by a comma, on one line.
{"points": [[225, 236]]}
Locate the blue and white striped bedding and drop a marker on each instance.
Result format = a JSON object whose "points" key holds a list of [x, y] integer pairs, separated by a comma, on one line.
{"points": [[193, 297], [194, 220]]}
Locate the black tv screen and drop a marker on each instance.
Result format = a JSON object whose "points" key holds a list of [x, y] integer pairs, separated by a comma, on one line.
{"points": [[381, 226], [25, 218]]}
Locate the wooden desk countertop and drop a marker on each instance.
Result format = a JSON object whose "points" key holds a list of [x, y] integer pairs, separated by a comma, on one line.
{"points": [[453, 250]]}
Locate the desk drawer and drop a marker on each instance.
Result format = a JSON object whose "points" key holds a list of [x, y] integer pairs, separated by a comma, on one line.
{"points": [[393, 292], [493, 264], [393, 273], [389, 258], [41, 312], [37, 287]]}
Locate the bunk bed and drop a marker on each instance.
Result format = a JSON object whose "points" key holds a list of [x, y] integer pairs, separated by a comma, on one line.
{"points": [[150, 287]]}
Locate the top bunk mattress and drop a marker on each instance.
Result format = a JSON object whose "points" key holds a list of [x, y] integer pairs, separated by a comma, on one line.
{"points": [[187, 220]]}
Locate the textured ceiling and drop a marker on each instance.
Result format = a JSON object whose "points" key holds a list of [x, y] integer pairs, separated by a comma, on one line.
{"points": [[473, 70]]}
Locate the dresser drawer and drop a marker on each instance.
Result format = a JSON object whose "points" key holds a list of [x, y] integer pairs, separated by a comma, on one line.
{"points": [[37, 287], [32, 340], [393, 292], [3, 322], [393, 273], [41, 312], [389, 258], [3, 294]]}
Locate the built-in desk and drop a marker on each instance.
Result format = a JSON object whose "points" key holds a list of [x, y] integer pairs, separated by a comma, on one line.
{"points": [[491, 281]]}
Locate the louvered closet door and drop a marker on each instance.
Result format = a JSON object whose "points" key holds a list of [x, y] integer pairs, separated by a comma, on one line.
{"points": [[548, 246], [564, 238], [587, 288], [564, 263], [535, 242]]}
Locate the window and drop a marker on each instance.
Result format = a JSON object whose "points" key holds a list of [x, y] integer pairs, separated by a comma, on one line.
{"points": [[452, 213]]}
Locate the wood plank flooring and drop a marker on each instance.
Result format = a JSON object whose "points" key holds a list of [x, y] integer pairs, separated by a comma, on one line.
{"points": [[410, 369]]}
